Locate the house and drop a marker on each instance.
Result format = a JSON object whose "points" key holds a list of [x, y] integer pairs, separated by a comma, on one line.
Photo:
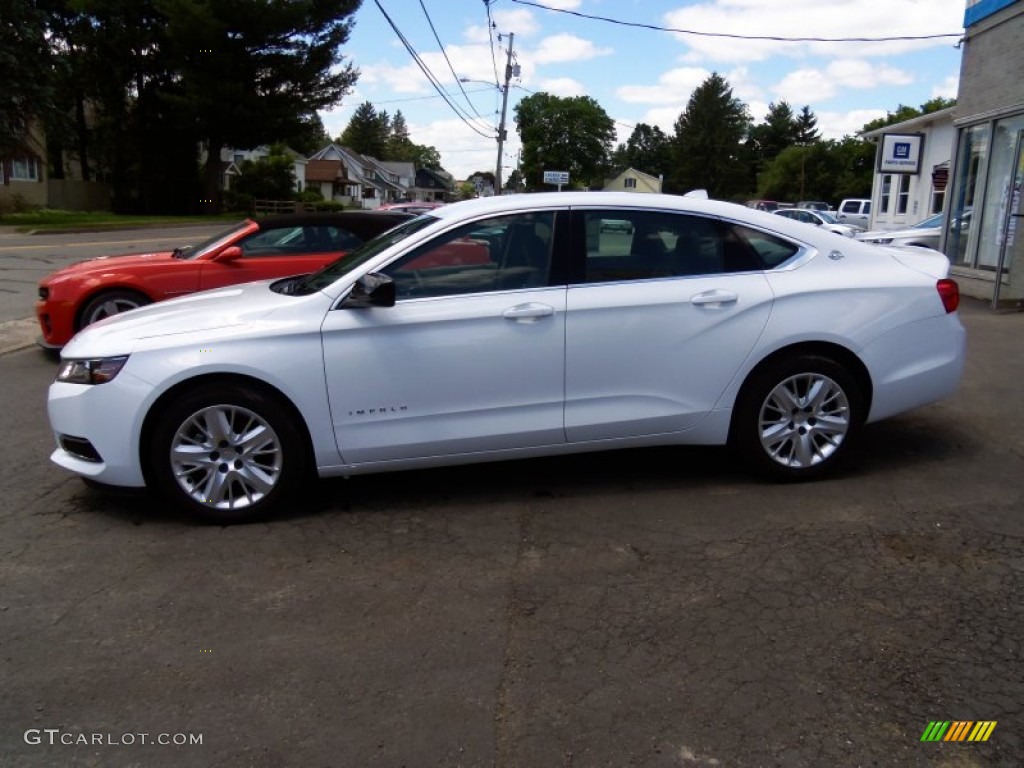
{"points": [[433, 186], [483, 184], [911, 169], [347, 176], [632, 180], [982, 236], [26, 180], [231, 161]]}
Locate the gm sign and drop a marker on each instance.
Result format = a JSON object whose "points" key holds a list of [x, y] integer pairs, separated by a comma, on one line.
{"points": [[901, 153]]}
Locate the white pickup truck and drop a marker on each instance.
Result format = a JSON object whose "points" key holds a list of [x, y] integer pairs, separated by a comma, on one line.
{"points": [[855, 211]]}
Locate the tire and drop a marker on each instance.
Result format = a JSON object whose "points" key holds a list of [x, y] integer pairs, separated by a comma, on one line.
{"points": [[795, 418], [108, 304], [228, 454]]}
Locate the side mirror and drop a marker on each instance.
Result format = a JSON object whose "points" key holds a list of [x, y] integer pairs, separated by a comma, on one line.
{"points": [[231, 253], [372, 290]]}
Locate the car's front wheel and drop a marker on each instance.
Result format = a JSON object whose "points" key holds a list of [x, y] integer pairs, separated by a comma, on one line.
{"points": [[228, 454], [108, 304], [795, 417]]}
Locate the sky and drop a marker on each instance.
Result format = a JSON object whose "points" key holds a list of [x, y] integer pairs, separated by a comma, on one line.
{"points": [[638, 74]]}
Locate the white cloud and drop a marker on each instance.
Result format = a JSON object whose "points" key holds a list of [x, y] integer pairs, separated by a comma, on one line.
{"points": [[813, 18], [567, 47], [517, 20], [947, 88], [806, 86], [836, 125], [563, 86], [674, 87]]}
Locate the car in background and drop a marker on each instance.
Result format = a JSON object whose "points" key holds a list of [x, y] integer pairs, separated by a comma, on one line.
{"points": [[924, 234], [855, 212], [763, 205], [821, 219], [489, 329], [411, 207], [256, 249], [616, 225], [814, 205]]}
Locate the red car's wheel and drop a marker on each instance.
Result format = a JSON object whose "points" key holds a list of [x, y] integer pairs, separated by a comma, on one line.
{"points": [[109, 303]]}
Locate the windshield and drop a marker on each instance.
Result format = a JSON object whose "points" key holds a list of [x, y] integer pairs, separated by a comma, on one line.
{"points": [[195, 251], [931, 221], [362, 254], [828, 217]]}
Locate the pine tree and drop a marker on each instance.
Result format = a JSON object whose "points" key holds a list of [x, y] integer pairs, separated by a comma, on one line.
{"points": [[706, 145]]}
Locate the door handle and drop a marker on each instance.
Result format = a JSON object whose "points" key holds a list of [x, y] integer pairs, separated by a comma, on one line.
{"points": [[528, 312], [715, 297]]}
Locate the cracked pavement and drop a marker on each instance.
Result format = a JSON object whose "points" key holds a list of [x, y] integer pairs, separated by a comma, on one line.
{"points": [[650, 608]]}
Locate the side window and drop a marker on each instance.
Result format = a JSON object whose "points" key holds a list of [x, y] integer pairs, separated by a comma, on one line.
{"points": [[749, 249], [662, 244], [497, 254]]}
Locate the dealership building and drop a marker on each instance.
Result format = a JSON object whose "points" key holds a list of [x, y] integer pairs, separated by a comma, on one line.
{"points": [[983, 228]]}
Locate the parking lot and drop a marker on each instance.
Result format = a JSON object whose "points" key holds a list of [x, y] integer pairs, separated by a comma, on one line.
{"points": [[652, 608]]}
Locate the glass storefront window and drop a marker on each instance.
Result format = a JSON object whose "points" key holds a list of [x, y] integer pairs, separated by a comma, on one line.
{"points": [[969, 183], [998, 191]]}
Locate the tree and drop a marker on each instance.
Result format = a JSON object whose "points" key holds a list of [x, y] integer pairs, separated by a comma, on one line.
{"points": [[706, 145], [647, 149], [778, 131], [268, 178], [807, 127], [368, 132], [164, 76], [565, 134], [26, 95], [310, 136]]}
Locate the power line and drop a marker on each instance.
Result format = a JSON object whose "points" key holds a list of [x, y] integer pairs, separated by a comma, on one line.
{"points": [[771, 38], [491, 34], [430, 76], [450, 67]]}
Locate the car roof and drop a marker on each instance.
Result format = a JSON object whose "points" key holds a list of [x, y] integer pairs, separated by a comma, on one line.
{"points": [[540, 200]]}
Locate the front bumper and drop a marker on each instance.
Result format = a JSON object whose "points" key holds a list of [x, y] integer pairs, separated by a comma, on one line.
{"points": [[107, 416]]}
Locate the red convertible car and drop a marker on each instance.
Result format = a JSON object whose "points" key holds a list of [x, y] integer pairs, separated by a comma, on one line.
{"points": [[77, 295]]}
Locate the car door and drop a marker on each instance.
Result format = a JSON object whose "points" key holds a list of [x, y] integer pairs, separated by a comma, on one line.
{"points": [[656, 328], [470, 359], [277, 252]]}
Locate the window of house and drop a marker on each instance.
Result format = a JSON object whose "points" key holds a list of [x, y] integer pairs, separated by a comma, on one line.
{"points": [[25, 169], [938, 200], [630, 183], [903, 196]]}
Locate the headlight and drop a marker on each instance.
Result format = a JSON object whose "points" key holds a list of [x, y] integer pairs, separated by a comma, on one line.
{"points": [[91, 371]]}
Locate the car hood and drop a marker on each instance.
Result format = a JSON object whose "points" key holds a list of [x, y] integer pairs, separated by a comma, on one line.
{"points": [[102, 264], [211, 313]]}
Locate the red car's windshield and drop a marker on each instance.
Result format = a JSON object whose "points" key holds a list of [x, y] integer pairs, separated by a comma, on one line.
{"points": [[218, 240]]}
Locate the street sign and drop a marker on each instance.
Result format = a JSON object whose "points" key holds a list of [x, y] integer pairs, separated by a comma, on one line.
{"points": [[556, 177]]}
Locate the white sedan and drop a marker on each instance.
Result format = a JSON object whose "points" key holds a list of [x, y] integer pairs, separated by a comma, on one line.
{"points": [[511, 327], [822, 219]]}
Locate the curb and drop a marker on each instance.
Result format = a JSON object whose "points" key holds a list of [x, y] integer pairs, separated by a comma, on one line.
{"points": [[16, 335]]}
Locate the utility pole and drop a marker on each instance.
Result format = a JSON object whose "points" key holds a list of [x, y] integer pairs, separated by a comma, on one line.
{"points": [[504, 104]]}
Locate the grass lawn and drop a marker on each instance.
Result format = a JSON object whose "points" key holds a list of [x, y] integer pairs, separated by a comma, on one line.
{"points": [[55, 220]]}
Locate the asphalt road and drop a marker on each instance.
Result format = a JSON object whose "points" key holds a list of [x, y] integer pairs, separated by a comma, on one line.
{"points": [[653, 608]]}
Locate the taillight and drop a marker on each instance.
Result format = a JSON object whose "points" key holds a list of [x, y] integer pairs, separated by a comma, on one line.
{"points": [[949, 292]]}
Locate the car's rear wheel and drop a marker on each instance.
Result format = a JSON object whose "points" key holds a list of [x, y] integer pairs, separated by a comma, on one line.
{"points": [[795, 417], [108, 304], [228, 454]]}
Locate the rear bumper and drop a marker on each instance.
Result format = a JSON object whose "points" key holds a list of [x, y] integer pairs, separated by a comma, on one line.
{"points": [[915, 364]]}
